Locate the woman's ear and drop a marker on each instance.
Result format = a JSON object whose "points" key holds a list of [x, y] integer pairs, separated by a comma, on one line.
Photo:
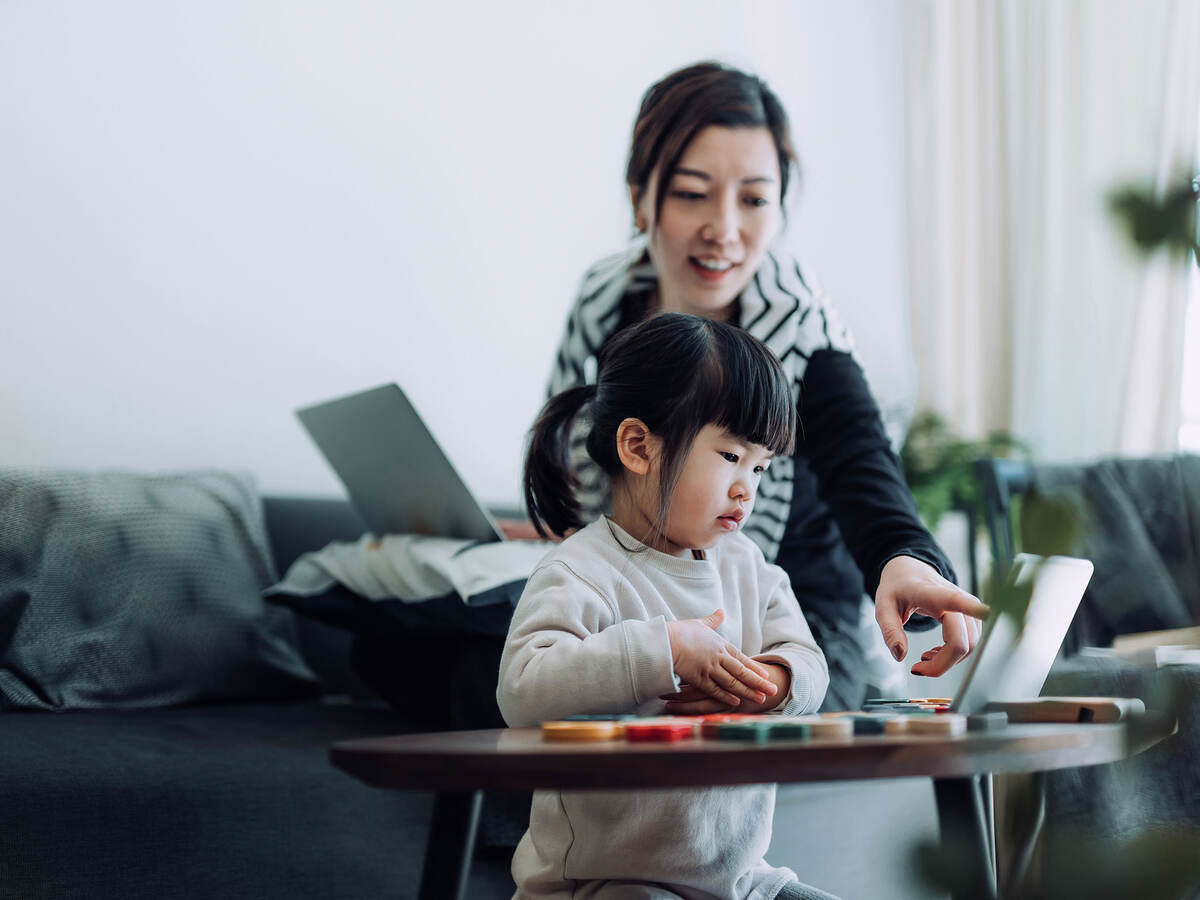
{"points": [[640, 220], [637, 446]]}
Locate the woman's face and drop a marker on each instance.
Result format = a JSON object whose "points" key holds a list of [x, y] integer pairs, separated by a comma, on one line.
{"points": [[718, 216]]}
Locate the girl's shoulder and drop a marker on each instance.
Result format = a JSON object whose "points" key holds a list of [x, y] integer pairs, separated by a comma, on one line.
{"points": [[740, 558], [585, 554]]}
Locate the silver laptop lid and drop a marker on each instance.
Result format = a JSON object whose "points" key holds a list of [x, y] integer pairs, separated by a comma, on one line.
{"points": [[396, 474], [1011, 663]]}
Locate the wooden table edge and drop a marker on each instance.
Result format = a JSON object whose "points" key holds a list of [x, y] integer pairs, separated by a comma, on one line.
{"points": [[450, 761]]}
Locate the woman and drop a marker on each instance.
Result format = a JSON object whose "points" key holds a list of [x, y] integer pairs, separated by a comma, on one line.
{"points": [[708, 171]]}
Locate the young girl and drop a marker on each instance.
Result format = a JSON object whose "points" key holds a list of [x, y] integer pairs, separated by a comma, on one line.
{"points": [[661, 607]]}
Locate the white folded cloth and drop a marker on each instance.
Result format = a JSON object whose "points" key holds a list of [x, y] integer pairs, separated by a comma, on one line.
{"points": [[413, 568]]}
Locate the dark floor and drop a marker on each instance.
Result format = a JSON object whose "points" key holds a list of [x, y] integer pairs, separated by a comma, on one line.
{"points": [[491, 877]]}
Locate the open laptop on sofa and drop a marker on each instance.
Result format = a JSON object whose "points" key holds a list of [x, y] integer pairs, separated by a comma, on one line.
{"points": [[397, 475]]}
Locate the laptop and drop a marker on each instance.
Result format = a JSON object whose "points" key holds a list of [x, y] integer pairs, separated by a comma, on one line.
{"points": [[1011, 663], [398, 477]]}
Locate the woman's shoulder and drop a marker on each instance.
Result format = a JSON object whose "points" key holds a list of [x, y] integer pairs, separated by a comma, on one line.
{"points": [[615, 266], [785, 307], [594, 315]]}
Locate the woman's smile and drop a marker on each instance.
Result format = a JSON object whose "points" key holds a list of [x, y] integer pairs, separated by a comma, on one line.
{"points": [[713, 271]]}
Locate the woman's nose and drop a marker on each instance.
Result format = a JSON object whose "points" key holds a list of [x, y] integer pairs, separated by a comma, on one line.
{"points": [[722, 224]]}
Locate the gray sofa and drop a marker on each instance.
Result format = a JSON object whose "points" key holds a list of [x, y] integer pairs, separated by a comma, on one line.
{"points": [[219, 799]]}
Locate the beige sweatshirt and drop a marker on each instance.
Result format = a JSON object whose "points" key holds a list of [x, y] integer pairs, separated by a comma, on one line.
{"points": [[590, 636]]}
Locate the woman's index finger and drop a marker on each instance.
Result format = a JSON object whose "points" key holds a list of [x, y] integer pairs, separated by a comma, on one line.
{"points": [[936, 598]]}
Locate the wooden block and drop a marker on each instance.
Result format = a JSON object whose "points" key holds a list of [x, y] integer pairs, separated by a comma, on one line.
{"points": [[1070, 709], [828, 726], [949, 725], [581, 731]]}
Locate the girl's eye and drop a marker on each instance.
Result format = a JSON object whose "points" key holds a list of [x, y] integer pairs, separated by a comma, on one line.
{"points": [[687, 195], [729, 457], [758, 470]]}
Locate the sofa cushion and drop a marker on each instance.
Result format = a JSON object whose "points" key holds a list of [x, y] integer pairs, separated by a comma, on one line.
{"points": [[120, 590]]}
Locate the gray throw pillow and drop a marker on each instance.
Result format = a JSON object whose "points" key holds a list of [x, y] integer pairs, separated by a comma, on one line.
{"points": [[120, 590]]}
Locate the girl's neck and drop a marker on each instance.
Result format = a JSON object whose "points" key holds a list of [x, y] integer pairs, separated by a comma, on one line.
{"points": [[638, 523]]}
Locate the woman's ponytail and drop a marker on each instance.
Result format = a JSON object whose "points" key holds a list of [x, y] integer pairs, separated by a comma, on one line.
{"points": [[550, 484]]}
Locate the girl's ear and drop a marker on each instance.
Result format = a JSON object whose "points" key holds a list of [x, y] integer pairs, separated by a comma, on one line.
{"points": [[637, 446]]}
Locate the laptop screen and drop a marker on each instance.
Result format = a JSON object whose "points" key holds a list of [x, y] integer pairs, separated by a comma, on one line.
{"points": [[1011, 662]]}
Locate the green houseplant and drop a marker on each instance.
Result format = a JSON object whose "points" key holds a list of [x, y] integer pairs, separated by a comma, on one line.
{"points": [[937, 465]]}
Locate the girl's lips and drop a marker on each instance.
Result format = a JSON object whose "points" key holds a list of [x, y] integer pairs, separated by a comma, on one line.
{"points": [[710, 275]]}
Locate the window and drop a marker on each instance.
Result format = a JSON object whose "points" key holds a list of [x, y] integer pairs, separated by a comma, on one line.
{"points": [[1189, 400]]}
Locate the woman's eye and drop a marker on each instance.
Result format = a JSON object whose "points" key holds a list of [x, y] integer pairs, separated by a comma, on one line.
{"points": [[729, 457], [687, 195], [757, 201]]}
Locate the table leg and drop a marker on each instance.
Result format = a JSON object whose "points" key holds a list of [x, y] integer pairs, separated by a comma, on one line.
{"points": [[1024, 848], [988, 795], [451, 845], [963, 819]]}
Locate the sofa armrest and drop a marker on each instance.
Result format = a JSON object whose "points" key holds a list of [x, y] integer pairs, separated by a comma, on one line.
{"points": [[296, 525]]}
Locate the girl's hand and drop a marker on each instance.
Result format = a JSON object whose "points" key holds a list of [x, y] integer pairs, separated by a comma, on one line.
{"points": [[709, 664], [692, 702]]}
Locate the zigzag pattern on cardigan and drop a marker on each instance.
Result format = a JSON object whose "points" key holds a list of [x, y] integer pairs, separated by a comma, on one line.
{"points": [[780, 306]]}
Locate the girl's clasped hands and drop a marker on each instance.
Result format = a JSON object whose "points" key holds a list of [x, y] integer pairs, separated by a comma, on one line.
{"points": [[716, 675]]}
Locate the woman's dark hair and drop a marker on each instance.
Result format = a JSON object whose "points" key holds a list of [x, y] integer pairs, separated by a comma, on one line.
{"points": [[680, 106], [677, 373]]}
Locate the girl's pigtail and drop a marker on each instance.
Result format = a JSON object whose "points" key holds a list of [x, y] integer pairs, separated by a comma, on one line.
{"points": [[550, 484]]}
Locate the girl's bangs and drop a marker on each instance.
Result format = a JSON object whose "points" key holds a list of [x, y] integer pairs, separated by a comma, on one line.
{"points": [[749, 395]]}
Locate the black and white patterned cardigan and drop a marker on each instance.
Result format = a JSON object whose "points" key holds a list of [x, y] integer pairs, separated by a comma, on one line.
{"points": [[780, 306]]}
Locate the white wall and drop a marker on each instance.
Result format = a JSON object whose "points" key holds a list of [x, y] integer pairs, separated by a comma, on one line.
{"points": [[212, 213]]}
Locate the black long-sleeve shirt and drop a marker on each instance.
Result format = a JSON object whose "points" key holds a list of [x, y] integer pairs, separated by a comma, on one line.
{"points": [[851, 509]]}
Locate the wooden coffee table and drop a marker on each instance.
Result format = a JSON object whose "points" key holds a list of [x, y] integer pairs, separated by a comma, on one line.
{"points": [[460, 765]]}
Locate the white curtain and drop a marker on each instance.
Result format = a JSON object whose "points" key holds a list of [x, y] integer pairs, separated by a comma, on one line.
{"points": [[1030, 312]]}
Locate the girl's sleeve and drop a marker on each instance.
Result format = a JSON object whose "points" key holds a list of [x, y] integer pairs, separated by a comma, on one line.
{"points": [[568, 653], [788, 640]]}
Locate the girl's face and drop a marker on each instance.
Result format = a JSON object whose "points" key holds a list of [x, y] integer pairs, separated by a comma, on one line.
{"points": [[715, 492], [719, 214]]}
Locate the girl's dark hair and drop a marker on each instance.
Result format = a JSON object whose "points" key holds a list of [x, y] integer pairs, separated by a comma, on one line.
{"points": [[677, 373], [681, 105]]}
